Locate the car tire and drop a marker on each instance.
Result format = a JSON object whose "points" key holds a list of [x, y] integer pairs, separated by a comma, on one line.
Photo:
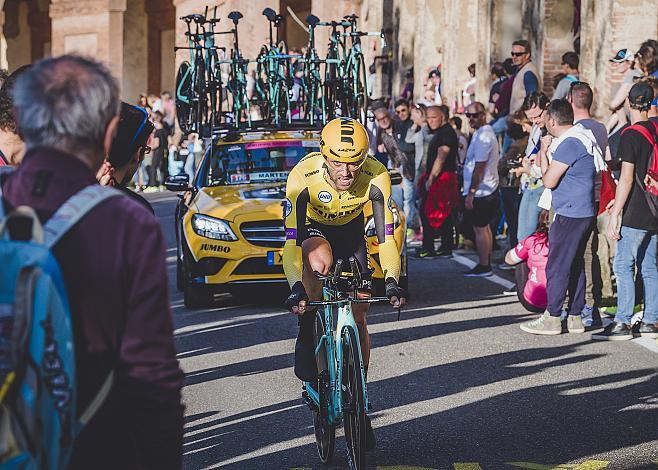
{"points": [[197, 297]]}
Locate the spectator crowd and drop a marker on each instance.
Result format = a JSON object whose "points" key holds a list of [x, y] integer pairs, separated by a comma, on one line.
{"points": [[571, 198], [574, 200]]}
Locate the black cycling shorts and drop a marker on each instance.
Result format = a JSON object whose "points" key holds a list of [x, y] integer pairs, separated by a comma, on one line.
{"points": [[345, 241]]}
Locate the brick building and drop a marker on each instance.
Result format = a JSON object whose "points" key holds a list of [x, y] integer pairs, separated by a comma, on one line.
{"points": [[136, 37]]}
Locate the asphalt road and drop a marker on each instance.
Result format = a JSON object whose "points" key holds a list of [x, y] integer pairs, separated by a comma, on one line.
{"points": [[455, 384]]}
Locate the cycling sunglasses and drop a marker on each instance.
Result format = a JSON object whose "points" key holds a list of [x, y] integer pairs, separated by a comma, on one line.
{"points": [[132, 133]]}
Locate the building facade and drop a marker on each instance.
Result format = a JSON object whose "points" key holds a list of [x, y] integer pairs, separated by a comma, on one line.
{"points": [[136, 38]]}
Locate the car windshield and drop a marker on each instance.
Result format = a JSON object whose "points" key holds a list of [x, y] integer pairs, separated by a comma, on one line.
{"points": [[251, 162]]}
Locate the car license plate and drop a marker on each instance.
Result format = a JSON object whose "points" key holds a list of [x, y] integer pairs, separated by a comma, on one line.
{"points": [[274, 258]]}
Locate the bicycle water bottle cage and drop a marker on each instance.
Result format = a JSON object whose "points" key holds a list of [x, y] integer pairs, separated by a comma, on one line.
{"points": [[235, 16], [312, 20]]}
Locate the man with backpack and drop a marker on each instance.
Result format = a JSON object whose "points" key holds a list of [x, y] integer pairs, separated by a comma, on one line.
{"points": [[634, 221], [109, 359]]}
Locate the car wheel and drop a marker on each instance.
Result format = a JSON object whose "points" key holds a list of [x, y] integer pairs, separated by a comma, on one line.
{"points": [[197, 296]]}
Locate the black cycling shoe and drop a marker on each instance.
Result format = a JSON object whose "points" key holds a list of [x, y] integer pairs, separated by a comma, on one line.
{"points": [[371, 442], [306, 368]]}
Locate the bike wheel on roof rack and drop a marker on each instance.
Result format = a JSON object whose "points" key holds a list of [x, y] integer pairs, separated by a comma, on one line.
{"points": [[184, 97]]}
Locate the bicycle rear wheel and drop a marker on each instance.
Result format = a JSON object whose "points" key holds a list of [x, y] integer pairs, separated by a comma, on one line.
{"points": [[325, 432], [354, 407]]}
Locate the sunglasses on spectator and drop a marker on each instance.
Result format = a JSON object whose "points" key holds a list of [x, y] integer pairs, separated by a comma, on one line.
{"points": [[517, 54], [532, 118], [383, 118], [401, 110], [473, 115]]}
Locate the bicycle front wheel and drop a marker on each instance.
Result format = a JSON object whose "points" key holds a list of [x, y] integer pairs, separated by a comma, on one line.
{"points": [[354, 407], [325, 432]]}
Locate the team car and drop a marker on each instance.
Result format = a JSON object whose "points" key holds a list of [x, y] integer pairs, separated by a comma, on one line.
{"points": [[229, 220]]}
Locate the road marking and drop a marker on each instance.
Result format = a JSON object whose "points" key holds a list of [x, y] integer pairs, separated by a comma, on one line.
{"points": [[212, 324], [496, 279], [648, 343], [403, 467], [171, 259], [467, 466], [587, 465]]}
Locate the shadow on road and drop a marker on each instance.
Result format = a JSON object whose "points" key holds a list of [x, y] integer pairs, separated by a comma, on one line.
{"points": [[550, 423]]}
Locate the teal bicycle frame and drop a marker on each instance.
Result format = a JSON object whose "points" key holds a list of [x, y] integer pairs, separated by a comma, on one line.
{"points": [[340, 394], [332, 337]]}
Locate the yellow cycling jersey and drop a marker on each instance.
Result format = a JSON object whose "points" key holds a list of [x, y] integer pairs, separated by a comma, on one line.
{"points": [[310, 197]]}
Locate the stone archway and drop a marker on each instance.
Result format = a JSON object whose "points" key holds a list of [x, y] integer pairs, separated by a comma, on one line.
{"points": [[26, 32], [161, 27]]}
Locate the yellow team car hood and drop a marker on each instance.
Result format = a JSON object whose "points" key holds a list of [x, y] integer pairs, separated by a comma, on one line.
{"points": [[227, 202]]}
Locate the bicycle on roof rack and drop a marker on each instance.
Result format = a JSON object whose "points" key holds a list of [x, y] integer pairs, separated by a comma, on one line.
{"points": [[190, 79], [339, 395], [355, 80], [213, 89], [274, 75], [237, 81], [199, 83]]}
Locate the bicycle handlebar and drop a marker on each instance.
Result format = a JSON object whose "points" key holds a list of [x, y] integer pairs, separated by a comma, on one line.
{"points": [[371, 300]]}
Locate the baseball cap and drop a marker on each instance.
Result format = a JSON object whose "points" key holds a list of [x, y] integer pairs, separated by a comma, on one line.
{"points": [[133, 132], [622, 55], [641, 95]]}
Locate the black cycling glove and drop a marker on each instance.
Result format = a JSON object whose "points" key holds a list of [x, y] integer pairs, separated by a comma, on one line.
{"points": [[297, 294], [393, 290]]}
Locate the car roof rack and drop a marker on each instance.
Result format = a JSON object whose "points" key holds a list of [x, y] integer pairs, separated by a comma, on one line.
{"points": [[295, 125]]}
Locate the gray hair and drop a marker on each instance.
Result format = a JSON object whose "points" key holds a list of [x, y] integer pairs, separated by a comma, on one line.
{"points": [[66, 103]]}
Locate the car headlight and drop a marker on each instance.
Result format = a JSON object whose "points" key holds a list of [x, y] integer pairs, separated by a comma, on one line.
{"points": [[370, 225], [210, 227]]}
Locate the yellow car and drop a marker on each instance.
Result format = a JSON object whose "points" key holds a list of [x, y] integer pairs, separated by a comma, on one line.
{"points": [[229, 222]]}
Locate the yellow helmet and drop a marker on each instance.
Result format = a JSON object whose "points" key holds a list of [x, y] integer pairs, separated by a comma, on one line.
{"points": [[344, 140]]}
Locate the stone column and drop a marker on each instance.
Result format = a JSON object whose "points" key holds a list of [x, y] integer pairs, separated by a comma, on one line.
{"points": [[3, 43], [485, 51], [89, 27], [161, 17]]}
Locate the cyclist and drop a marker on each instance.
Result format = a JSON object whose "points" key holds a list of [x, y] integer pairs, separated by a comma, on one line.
{"points": [[323, 213]]}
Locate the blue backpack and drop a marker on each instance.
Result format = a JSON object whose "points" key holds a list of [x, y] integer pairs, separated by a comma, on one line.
{"points": [[39, 420]]}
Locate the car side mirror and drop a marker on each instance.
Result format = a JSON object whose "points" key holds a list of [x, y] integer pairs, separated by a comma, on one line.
{"points": [[396, 177], [178, 183]]}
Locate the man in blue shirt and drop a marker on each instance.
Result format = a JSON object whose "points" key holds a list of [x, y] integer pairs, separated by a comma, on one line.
{"points": [[570, 176]]}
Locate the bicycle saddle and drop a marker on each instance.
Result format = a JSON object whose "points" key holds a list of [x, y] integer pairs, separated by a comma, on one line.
{"points": [[312, 20], [270, 14], [194, 17], [235, 16]]}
